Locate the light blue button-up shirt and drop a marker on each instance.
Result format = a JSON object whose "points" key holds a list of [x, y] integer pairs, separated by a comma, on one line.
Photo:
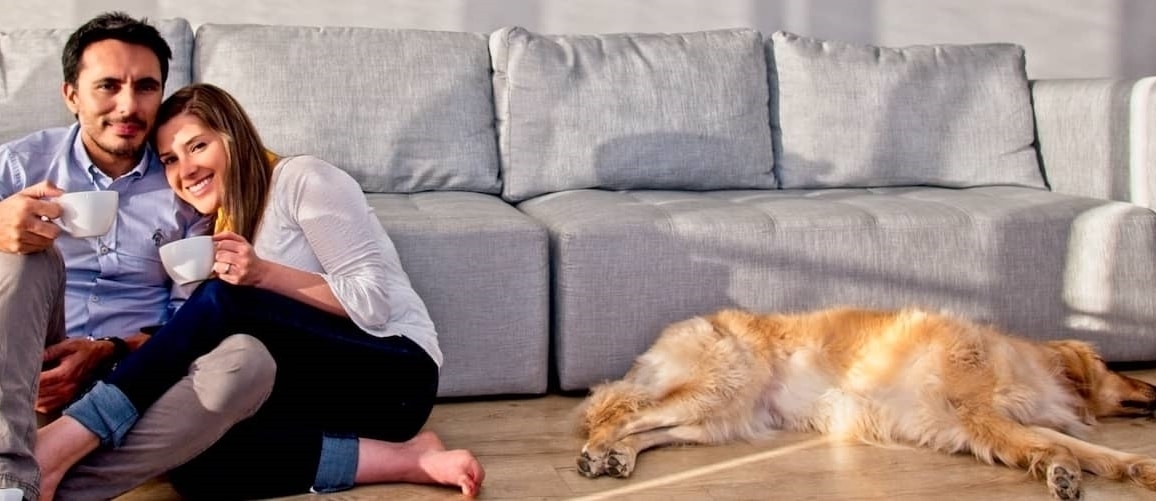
{"points": [[115, 282]]}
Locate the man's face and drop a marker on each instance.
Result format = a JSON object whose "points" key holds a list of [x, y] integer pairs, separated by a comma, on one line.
{"points": [[118, 90]]}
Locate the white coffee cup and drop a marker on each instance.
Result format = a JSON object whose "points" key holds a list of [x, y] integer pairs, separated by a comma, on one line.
{"points": [[188, 260], [87, 213]]}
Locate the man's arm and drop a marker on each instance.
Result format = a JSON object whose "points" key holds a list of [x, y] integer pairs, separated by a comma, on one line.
{"points": [[70, 366], [24, 225]]}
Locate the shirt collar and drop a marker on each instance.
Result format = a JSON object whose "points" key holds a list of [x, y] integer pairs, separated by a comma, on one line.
{"points": [[98, 177]]}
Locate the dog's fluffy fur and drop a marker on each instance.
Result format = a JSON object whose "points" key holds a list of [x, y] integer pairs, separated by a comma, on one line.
{"points": [[886, 377]]}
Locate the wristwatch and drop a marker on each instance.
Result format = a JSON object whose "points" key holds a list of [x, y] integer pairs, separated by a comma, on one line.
{"points": [[119, 347]]}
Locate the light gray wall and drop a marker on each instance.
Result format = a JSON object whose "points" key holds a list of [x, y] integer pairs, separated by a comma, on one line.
{"points": [[1063, 38]]}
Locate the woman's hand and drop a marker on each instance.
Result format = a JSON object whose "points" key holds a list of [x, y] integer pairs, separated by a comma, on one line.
{"points": [[236, 262]]}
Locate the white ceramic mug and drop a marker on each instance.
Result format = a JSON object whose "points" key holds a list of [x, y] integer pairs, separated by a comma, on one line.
{"points": [[87, 213], [188, 260]]}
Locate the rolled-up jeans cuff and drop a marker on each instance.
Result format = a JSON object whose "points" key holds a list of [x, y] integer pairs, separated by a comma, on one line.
{"points": [[106, 412], [337, 467]]}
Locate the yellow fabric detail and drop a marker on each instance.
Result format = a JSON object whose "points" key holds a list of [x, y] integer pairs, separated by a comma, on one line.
{"points": [[222, 223]]}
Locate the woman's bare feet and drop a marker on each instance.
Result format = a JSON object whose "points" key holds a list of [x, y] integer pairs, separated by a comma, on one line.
{"points": [[59, 445], [456, 467], [422, 460], [425, 441]]}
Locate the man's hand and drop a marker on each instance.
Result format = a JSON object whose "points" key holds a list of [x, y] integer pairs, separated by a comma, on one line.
{"points": [[71, 365], [22, 231]]}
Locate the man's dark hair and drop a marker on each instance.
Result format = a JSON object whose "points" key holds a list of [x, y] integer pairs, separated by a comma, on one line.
{"points": [[113, 26]]}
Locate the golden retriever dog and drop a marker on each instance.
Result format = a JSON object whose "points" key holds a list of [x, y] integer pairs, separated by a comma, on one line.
{"points": [[885, 377]]}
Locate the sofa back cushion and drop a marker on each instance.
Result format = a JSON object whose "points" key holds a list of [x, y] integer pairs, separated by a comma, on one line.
{"points": [[631, 111], [402, 111], [848, 115], [30, 75]]}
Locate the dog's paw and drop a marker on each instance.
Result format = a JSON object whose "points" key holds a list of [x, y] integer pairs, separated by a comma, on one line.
{"points": [[1144, 473], [591, 466], [620, 462], [1064, 483]]}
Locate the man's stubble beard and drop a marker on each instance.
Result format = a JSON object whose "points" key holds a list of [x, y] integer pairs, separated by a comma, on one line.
{"points": [[127, 151]]}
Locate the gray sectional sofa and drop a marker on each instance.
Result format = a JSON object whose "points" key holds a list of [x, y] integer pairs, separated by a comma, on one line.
{"points": [[558, 199]]}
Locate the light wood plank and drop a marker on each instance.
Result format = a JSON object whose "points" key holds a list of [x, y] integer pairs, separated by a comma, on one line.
{"points": [[528, 448]]}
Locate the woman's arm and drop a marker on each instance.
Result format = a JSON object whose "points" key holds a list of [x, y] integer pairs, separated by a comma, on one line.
{"points": [[326, 206], [237, 263]]}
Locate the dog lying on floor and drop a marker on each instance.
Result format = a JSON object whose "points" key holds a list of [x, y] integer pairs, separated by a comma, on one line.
{"points": [[886, 377]]}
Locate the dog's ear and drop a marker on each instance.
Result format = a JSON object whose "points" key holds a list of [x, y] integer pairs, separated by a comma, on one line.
{"points": [[1077, 363]]}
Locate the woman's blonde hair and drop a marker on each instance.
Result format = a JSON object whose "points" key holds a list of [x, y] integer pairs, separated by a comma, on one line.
{"points": [[248, 168]]}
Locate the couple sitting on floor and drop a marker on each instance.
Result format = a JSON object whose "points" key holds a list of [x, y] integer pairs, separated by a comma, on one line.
{"points": [[308, 363]]}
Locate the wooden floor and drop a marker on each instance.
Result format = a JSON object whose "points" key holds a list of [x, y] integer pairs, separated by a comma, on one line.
{"points": [[528, 451]]}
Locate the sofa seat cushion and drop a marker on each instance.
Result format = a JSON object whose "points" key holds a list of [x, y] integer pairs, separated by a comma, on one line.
{"points": [[403, 111], [847, 115], [30, 75], [1047, 265], [481, 268], [631, 111]]}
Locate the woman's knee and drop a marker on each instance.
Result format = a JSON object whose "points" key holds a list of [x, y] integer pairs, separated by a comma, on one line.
{"points": [[238, 374]]}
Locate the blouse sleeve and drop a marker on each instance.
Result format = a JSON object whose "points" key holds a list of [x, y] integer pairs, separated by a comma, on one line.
{"points": [[344, 233]]}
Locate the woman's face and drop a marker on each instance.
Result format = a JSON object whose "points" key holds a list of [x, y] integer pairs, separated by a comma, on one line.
{"points": [[194, 158]]}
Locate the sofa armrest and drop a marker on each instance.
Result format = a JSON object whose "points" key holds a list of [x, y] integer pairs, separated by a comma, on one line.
{"points": [[1096, 137]]}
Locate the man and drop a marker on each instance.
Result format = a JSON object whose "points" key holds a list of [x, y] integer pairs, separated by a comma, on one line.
{"points": [[111, 289]]}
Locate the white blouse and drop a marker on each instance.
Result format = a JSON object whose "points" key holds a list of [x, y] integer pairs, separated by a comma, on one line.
{"points": [[317, 220]]}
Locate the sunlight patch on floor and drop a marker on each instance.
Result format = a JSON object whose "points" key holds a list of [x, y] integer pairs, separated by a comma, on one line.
{"points": [[705, 470]]}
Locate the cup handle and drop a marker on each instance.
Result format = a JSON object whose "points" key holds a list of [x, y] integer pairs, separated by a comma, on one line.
{"points": [[59, 223]]}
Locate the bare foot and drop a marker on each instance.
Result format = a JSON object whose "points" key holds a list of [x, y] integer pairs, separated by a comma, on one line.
{"points": [[457, 467], [59, 445], [48, 484], [426, 441], [422, 459]]}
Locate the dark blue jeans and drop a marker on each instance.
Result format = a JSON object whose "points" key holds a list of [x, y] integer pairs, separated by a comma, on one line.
{"points": [[332, 379]]}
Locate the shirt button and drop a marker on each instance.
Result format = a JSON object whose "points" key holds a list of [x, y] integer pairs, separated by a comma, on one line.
{"points": [[96, 299], [104, 249]]}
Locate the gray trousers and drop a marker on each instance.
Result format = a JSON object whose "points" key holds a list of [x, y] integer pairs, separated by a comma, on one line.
{"points": [[221, 388], [31, 307]]}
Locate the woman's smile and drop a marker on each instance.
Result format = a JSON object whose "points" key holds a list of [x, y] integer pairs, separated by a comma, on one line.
{"points": [[197, 189]]}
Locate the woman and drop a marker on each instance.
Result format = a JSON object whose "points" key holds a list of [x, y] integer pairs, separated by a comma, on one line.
{"points": [[303, 264]]}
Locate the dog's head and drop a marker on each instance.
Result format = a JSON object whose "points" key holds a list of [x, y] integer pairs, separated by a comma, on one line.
{"points": [[1104, 392]]}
